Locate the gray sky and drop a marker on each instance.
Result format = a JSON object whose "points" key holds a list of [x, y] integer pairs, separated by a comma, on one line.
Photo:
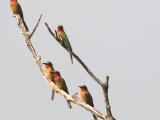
{"points": [[118, 38]]}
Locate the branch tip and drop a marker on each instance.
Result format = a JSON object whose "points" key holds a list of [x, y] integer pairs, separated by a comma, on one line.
{"points": [[36, 26], [107, 81]]}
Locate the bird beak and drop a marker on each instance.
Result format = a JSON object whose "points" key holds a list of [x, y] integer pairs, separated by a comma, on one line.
{"points": [[44, 63], [79, 86]]}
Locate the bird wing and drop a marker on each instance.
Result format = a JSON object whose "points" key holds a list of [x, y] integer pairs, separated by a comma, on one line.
{"points": [[89, 100], [65, 40], [20, 10], [64, 86]]}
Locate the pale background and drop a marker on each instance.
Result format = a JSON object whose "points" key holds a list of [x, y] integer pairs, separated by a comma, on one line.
{"points": [[119, 38]]}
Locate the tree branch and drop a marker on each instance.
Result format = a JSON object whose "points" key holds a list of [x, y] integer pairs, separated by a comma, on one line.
{"points": [[73, 99], [75, 56], [35, 26], [103, 85]]}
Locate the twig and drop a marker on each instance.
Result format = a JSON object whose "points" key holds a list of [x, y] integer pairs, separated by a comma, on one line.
{"points": [[35, 26], [103, 85], [78, 59], [51, 84]]}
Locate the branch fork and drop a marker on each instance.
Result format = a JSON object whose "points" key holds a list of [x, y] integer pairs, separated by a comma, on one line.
{"points": [[104, 86], [71, 98]]}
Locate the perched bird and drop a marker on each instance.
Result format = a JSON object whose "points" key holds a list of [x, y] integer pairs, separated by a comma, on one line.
{"points": [[60, 83], [86, 97], [64, 39], [49, 68], [17, 10]]}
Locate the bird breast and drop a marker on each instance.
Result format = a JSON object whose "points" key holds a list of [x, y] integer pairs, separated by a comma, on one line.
{"points": [[83, 96], [58, 82], [14, 7], [49, 75]]}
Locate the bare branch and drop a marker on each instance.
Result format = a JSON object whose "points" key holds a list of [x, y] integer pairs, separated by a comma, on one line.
{"points": [[77, 101], [51, 84], [53, 35], [87, 69], [76, 57], [36, 26], [105, 92], [103, 85]]}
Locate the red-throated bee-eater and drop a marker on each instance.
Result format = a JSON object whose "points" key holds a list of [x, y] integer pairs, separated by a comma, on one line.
{"points": [[64, 39], [86, 97], [60, 83], [17, 10], [49, 68]]}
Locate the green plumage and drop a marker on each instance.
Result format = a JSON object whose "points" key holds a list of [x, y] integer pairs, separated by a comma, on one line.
{"points": [[65, 42], [90, 102], [89, 99], [64, 39], [60, 82], [64, 86], [86, 97]]}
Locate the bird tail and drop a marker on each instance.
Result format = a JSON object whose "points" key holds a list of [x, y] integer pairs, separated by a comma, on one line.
{"points": [[69, 104], [52, 96], [70, 52], [95, 118], [25, 25]]}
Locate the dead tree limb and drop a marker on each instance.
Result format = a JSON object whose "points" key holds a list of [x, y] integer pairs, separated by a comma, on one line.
{"points": [[103, 85], [37, 59]]}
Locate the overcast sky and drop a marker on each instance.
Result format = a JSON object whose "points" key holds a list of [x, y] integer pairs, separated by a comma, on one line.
{"points": [[119, 38]]}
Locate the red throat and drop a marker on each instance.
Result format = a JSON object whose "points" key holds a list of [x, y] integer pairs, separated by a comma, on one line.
{"points": [[56, 76], [47, 67], [83, 90], [59, 30]]}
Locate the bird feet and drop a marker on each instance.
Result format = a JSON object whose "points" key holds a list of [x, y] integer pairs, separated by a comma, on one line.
{"points": [[75, 95]]}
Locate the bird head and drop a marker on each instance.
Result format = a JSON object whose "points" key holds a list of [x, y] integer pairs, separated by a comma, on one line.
{"points": [[60, 28], [48, 64], [83, 87], [55, 72]]}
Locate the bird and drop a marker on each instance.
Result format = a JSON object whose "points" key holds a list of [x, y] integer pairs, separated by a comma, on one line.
{"points": [[17, 10], [62, 36], [60, 83], [86, 97], [49, 68]]}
